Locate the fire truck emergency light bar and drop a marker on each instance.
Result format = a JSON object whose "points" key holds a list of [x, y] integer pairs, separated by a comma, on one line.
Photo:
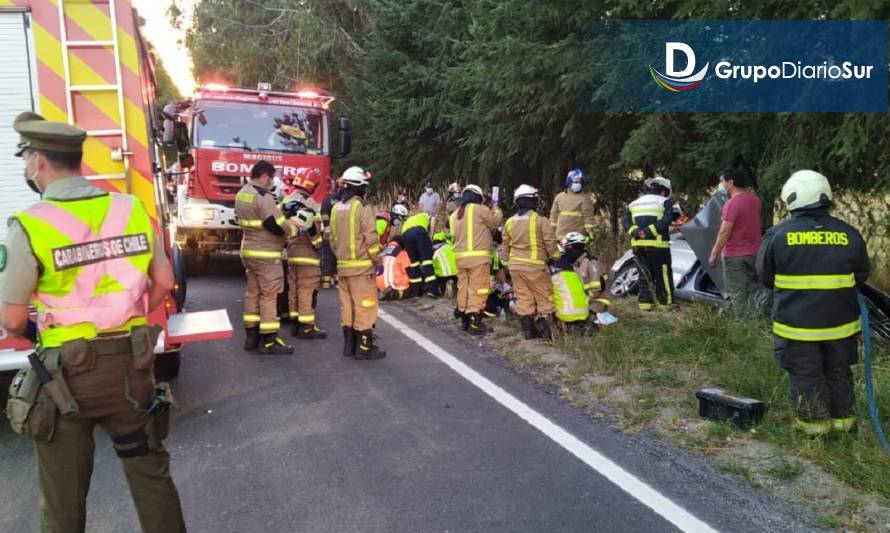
{"points": [[264, 89]]}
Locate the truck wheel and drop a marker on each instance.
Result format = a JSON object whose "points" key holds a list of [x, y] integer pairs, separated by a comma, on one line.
{"points": [[195, 261], [167, 365], [179, 277]]}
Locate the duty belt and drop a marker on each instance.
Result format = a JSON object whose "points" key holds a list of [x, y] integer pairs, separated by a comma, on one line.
{"points": [[110, 345]]}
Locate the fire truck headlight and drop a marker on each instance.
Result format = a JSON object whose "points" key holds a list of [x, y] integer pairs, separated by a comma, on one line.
{"points": [[199, 214]]}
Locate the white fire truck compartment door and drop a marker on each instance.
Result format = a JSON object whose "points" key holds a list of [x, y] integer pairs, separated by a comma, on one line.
{"points": [[199, 326], [16, 95]]}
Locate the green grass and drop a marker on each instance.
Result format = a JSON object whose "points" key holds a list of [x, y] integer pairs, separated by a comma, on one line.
{"points": [[785, 469], [670, 355]]}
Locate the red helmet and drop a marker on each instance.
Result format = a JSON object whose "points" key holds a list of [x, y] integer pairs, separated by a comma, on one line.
{"points": [[307, 178]]}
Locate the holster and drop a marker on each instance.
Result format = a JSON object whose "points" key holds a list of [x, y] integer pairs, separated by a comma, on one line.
{"points": [[33, 406]]}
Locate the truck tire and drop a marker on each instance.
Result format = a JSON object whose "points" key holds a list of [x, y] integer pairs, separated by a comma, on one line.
{"points": [[195, 261], [179, 277], [167, 365]]}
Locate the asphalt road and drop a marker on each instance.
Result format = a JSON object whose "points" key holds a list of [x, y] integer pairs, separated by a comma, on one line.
{"points": [[319, 442]]}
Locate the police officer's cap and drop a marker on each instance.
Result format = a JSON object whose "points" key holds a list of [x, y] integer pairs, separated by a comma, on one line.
{"points": [[37, 133]]}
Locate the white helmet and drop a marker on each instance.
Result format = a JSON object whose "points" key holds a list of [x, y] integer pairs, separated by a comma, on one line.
{"points": [[806, 188], [573, 237], [303, 218], [524, 191], [454, 187], [354, 176], [658, 180], [473, 188], [400, 210]]}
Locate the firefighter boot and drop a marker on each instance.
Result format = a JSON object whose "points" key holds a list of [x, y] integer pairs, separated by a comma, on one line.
{"points": [[476, 327], [529, 331], [270, 344], [348, 341], [464, 319], [366, 349], [251, 338], [553, 329], [310, 331]]}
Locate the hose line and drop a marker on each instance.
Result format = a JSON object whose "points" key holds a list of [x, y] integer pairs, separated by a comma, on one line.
{"points": [[869, 384]]}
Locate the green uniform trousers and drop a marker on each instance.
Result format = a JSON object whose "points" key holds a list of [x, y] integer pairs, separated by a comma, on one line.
{"points": [[112, 391]]}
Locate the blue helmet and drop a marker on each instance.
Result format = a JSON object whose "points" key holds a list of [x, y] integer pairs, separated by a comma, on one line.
{"points": [[574, 176]]}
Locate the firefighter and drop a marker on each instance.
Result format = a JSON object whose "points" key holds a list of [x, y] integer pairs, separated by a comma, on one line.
{"points": [[398, 214], [592, 273], [415, 233], [648, 222], [471, 226], [355, 244], [444, 263], [529, 244], [328, 261], [303, 259], [815, 263], [92, 335], [569, 293], [383, 225], [572, 210], [264, 230]]}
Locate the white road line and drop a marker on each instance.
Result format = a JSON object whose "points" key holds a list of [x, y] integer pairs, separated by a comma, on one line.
{"points": [[626, 481]]}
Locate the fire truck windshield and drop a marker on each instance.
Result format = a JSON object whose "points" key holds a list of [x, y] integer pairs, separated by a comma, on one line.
{"points": [[258, 127]]}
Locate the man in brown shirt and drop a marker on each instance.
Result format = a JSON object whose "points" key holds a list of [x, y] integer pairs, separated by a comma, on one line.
{"points": [[356, 245], [265, 230]]}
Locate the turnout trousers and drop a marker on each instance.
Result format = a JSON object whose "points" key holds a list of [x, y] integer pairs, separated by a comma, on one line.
{"points": [[821, 381], [265, 280], [473, 287], [534, 292], [112, 391], [303, 282], [358, 301], [656, 285], [420, 251]]}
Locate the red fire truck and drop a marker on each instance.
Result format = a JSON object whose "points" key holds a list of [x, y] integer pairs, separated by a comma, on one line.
{"points": [[84, 62], [220, 134]]}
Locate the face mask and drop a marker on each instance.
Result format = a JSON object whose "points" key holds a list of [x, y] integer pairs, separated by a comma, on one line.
{"points": [[576, 187], [721, 188], [429, 190], [31, 180]]}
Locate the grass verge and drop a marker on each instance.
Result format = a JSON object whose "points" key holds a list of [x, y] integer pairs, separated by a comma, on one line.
{"points": [[667, 356]]}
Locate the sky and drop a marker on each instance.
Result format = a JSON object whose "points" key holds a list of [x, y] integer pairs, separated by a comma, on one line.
{"points": [[168, 42]]}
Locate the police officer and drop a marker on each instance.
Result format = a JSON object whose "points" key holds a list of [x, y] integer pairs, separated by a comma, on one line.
{"points": [[355, 244], [416, 235], [815, 263], [572, 210], [529, 244], [648, 222], [264, 229], [91, 265], [472, 225], [303, 259]]}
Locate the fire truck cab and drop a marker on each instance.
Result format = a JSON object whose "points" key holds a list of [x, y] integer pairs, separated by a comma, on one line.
{"points": [[220, 134]]}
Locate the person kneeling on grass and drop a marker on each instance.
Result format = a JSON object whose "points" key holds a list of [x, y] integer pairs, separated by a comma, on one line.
{"points": [[578, 282], [594, 276]]}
